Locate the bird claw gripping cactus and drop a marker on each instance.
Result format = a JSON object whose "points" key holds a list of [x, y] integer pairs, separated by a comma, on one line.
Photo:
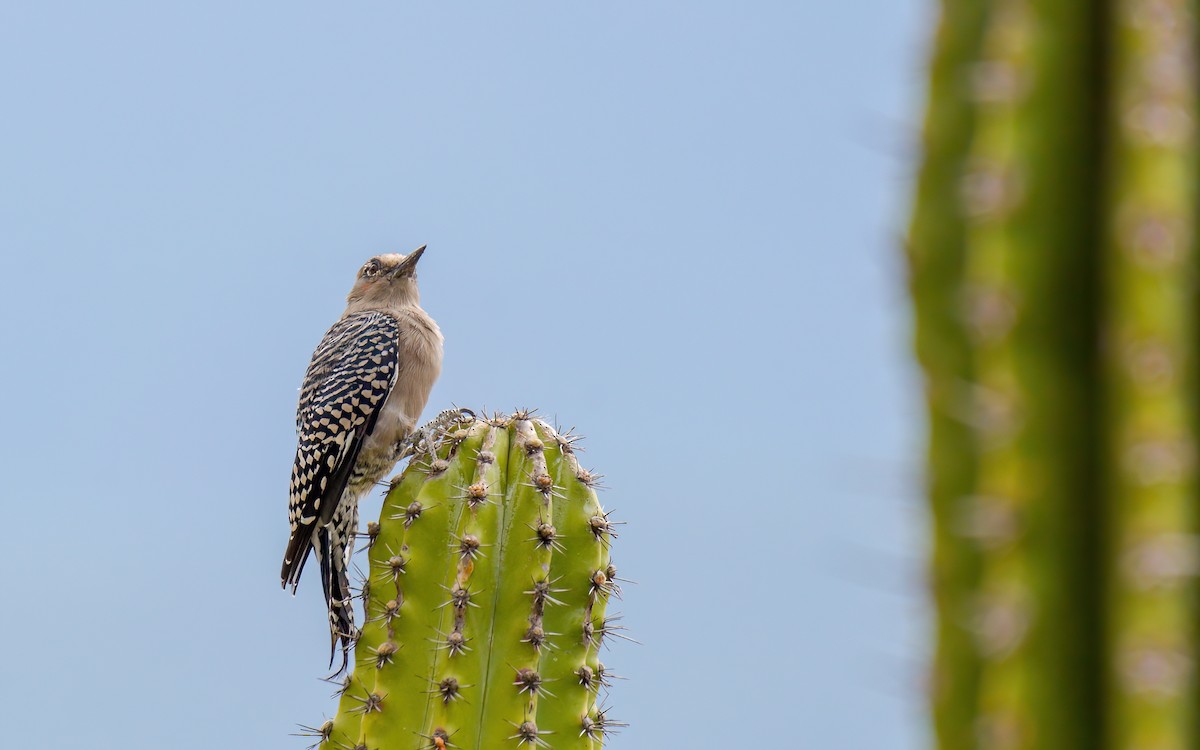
{"points": [[426, 437], [486, 598]]}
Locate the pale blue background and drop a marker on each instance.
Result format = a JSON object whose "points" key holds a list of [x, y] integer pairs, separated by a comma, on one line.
{"points": [[673, 224]]}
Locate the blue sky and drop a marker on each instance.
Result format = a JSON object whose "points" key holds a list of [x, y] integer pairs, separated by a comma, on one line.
{"points": [[674, 225]]}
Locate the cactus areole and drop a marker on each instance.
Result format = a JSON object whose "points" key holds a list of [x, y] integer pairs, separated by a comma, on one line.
{"points": [[485, 601]]}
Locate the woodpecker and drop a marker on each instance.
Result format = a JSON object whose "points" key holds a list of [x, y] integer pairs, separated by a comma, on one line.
{"points": [[364, 390]]}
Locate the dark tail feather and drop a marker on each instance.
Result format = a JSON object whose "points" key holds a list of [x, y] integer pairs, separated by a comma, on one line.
{"points": [[298, 548], [335, 583]]}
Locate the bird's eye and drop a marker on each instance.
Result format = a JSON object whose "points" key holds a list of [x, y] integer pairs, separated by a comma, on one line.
{"points": [[370, 269]]}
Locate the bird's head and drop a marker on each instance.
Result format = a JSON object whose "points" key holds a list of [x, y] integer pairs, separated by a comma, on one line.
{"points": [[388, 280]]}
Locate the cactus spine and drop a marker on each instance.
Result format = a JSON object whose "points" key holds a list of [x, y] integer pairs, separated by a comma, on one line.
{"points": [[1052, 253], [485, 601]]}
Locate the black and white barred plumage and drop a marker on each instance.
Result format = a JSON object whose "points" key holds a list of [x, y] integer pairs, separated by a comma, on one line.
{"points": [[364, 390], [351, 374]]}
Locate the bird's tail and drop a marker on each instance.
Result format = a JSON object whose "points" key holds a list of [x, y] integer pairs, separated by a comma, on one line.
{"points": [[299, 546], [333, 555]]}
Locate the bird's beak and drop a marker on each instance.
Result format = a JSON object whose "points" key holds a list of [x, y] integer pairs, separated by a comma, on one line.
{"points": [[409, 264]]}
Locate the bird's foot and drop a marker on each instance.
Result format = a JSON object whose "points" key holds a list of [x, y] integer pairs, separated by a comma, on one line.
{"points": [[424, 439]]}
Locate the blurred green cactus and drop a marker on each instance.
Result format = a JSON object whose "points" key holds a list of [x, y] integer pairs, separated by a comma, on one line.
{"points": [[1053, 258], [485, 601]]}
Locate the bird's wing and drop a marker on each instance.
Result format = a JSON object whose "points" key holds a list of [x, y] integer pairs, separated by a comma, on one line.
{"points": [[351, 374]]}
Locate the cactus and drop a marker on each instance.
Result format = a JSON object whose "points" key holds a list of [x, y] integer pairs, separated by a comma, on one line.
{"points": [[485, 600], [1052, 254]]}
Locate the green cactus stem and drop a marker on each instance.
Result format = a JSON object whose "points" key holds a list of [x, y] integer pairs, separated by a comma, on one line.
{"points": [[485, 600], [1053, 258], [1149, 338], [937, 259]]}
